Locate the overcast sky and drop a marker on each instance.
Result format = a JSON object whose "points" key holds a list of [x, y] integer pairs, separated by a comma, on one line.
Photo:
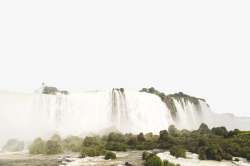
{"points": [[201, 48]]}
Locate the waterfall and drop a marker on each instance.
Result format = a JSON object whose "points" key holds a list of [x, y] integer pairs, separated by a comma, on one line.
{"points": [[190, 116], [27, 116]]}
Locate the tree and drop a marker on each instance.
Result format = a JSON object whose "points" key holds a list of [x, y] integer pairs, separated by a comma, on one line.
{"points": [[163, 135], [178, 151], [174, 131], [203, 126], [90, 141], [56, 138], [141, 137], [52, 147], [38, 147]]}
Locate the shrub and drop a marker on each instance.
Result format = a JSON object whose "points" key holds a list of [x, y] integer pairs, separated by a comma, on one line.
{"points": [[185, 133], [203, 126], [237, 159], [141, 137], [116, 146], [202, 142], [178, 151], [132, 141], [248, 156], [13, 145], [195, 134], [90, 141], [56, 138], [52, 147], [213, 152], [227, 156], [174, 131], [146, 146], [221, 131], [110, 155], [163, 135], [116, 137], [202, 153], [50, 90], [145, 155], [153, 160], [93, 151], [37, 147], [72, 143], [167, 163]]}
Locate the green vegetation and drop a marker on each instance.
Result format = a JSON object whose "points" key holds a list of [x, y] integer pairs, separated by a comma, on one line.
{"points": [[72, 143], [174, 131], [163, 135], [90, 142], [116, 146], [152, 159], [141, 137], [37, 147], [116, 137], [13, 145], [50, 90], [167, 163], [93, 151], [168, 99], [92, 146], [110, 155], [178, 151], [145, 155], [212, 152], [216, 144], [52, 147], [53, 90], [56, 138]]}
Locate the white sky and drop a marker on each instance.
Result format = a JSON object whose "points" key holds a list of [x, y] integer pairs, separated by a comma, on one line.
{"points": [[201, 48]]}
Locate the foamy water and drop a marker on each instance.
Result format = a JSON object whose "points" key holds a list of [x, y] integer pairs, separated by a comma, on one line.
{"points": [[193, 160]]}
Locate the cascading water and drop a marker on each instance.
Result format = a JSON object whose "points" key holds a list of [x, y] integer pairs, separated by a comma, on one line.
{"points": [[190, 116], [27, 116]]}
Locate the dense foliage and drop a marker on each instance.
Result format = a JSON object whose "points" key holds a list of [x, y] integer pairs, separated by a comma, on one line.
{"points": [[210, 144], [37, 147], [72, 143], [178, 151], [52, 147], [41, 147]]}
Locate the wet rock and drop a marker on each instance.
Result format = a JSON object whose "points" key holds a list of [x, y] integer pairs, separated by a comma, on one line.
{"points": [[127, 164]]}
